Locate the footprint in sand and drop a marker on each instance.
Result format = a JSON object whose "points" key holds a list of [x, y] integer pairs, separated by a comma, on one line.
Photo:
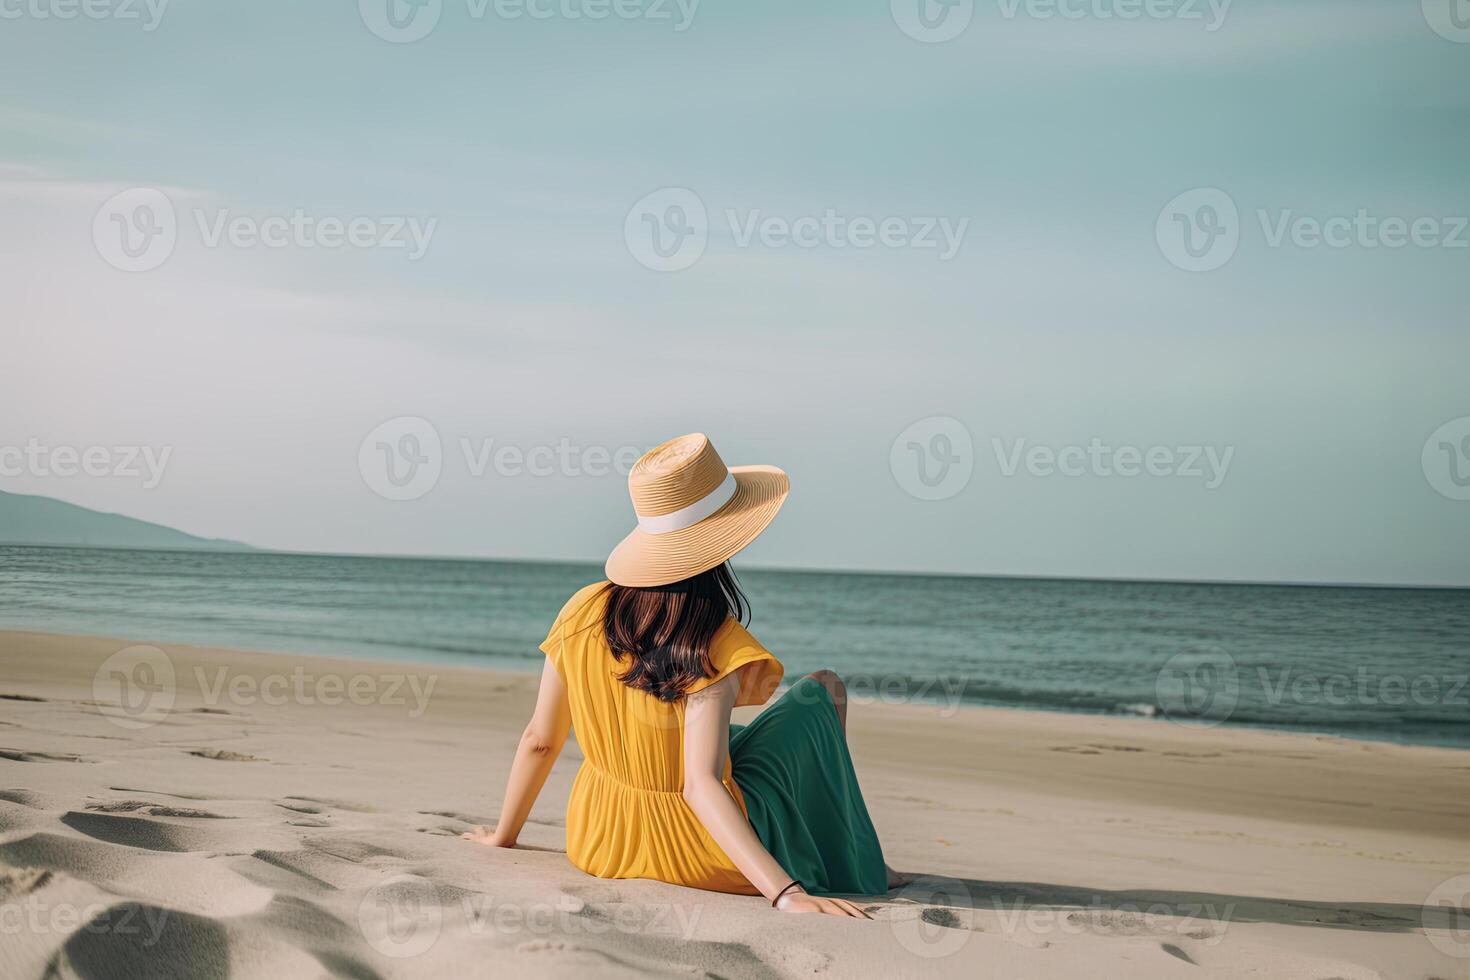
{"points": [[468, 818], [24, 797], [154, 810], [1092, 748], [226, 755], [353, 851], [20, 755], [22, 881], [336, 804], [291, 862], [150, 835], [1178, 953], [85, 859], [156, 792]]}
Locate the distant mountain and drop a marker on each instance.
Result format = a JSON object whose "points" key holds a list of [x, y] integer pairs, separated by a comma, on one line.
{"points": [[26, 519]]}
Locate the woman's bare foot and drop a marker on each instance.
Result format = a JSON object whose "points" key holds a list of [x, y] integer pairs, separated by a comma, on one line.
{"points": [[897, 879]]}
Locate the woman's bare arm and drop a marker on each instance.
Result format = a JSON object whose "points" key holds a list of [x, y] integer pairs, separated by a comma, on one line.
{"points": [[539, 747], [706, 747]]}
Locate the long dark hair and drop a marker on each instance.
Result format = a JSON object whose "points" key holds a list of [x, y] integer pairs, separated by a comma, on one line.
{"points": [[665, 631]]}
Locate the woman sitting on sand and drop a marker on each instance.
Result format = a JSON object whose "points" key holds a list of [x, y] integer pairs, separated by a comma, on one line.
{"points": [[647, 667]]}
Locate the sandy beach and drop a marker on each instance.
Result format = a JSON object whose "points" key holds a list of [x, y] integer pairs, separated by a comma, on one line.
{"points": [[264, 815]]}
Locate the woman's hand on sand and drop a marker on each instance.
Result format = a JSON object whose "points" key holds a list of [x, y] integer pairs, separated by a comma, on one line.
{"points": [[800, 902], [485, 835]]}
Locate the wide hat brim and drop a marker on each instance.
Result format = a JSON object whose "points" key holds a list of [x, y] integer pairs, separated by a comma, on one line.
{"points": [[644, 560]]}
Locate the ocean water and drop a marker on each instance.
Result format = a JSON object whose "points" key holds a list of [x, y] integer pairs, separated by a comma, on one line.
{"points": [[1367, 663]]}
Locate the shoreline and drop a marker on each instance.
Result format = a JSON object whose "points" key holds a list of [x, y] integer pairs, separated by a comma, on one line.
{"points": [[1050, 845], [506, 665], [927, 720]]}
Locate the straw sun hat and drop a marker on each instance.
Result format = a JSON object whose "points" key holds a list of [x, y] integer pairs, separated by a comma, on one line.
{"points": [[694, 512]]}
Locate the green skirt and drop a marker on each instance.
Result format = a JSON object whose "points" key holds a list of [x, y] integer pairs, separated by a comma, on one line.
{"points": [[793, 767]]}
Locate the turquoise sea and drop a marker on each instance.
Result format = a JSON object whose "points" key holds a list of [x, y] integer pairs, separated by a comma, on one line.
{"points": [[1362, 662]]}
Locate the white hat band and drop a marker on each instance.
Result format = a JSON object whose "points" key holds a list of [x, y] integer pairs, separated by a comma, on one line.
{"points": [[684, 517]]}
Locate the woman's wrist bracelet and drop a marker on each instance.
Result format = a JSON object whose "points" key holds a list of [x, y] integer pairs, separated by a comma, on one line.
{"points": [[794, 884]]}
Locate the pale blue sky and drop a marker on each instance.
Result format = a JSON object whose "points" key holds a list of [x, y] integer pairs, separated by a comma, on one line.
{"points": [[529, 321]]}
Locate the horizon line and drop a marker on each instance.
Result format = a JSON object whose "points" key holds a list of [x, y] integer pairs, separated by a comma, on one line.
{"points": [[246, 549]]}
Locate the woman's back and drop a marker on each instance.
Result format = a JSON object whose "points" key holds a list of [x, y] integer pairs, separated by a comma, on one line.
{"points": [[627, 817]]}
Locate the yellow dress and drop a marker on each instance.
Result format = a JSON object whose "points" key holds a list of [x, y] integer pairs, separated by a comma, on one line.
{"points": [[626, 817]]}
